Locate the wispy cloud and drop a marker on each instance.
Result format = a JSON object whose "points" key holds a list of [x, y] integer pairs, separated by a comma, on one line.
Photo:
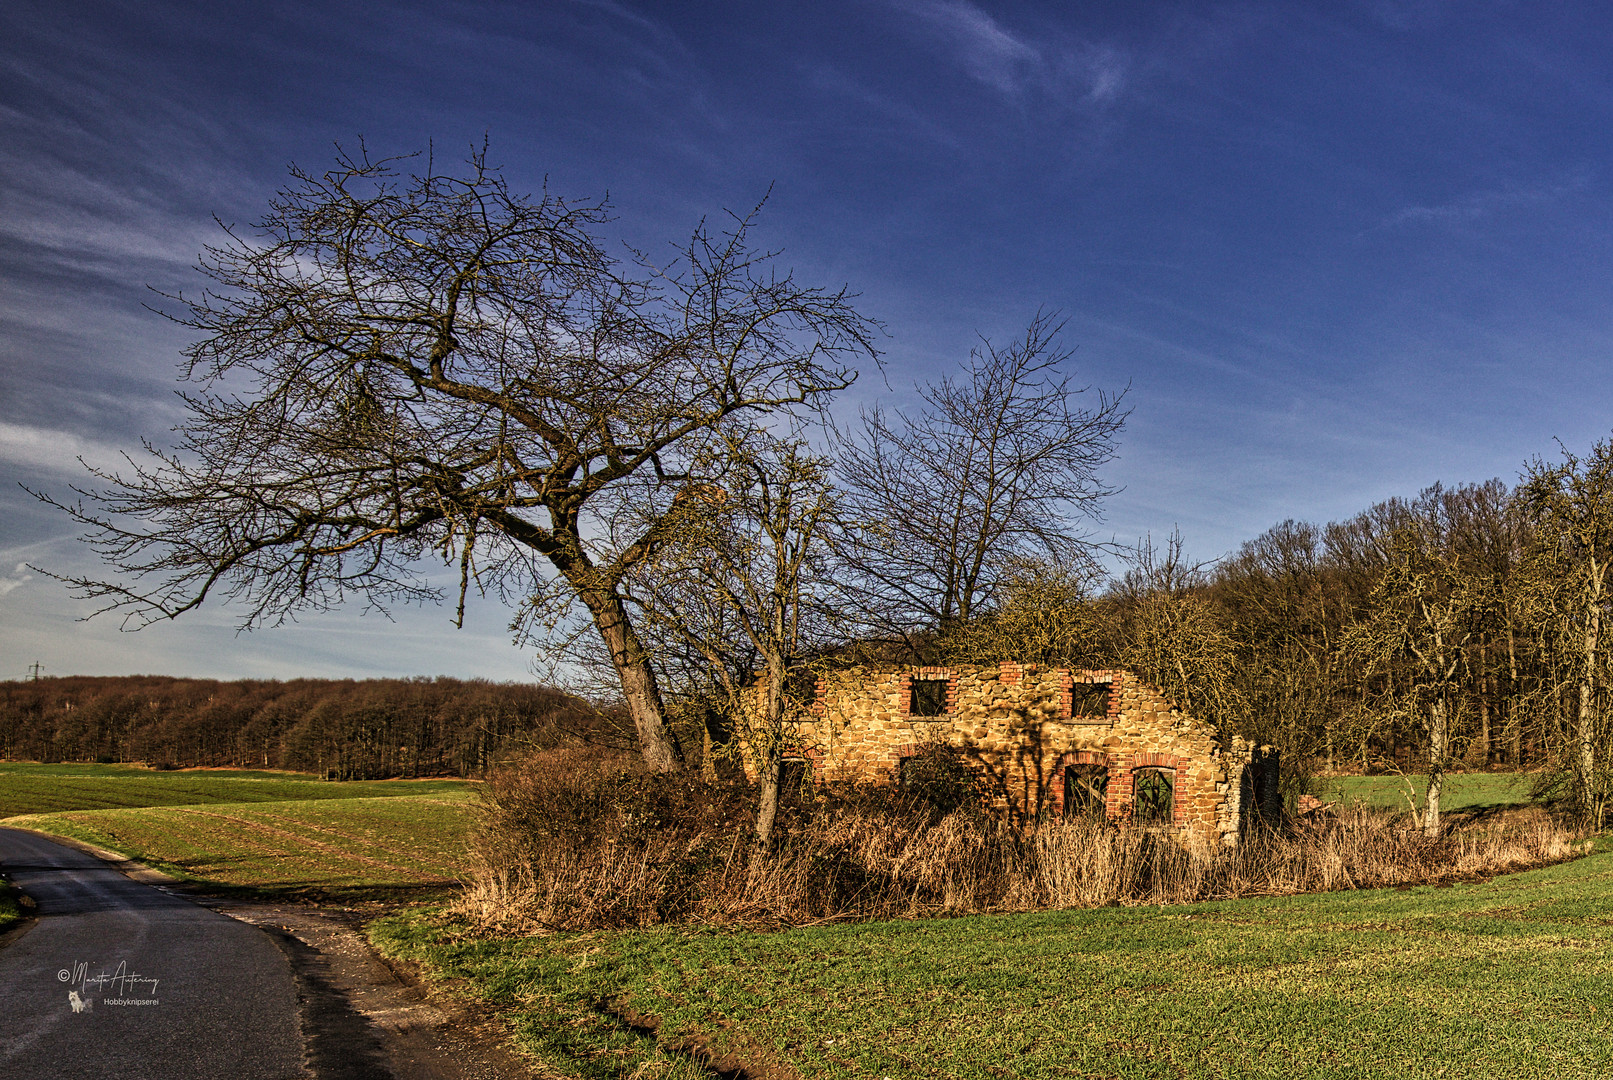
{"points": [[53, 450], [1015, 64], [16, 580], [1482, 204]]}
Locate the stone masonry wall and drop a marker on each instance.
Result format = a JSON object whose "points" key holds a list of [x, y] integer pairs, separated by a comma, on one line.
{"points": [[1015, 721]]}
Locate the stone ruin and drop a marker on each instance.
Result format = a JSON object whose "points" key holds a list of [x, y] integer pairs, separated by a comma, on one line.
{"points": [[1052, 742]]}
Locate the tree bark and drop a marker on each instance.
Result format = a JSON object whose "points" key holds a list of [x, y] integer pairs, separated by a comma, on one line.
{"points": [[1484, 702], [767, 799], [1585, 724], [772, 750], [1514, 721], [1438, 738], [656, 743], [708, 750]]}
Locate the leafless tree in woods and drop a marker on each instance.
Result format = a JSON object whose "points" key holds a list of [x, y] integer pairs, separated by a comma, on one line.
{"points": [[393, 367], [1164, 626], [993, 468], [1569, 586], [1425, 610]]}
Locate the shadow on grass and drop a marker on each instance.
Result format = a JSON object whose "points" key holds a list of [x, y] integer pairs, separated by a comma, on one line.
{"points": [[300, 892]]}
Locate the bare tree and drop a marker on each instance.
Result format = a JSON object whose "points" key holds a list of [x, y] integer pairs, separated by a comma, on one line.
{"points": [[1427, 607], [1569, 585], [993, 469], [1163, 625], [740, 584], [398, 366]]}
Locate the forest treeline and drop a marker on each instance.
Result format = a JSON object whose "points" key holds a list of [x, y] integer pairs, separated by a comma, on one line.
{"points": [[344, 729], [1461, 629]]}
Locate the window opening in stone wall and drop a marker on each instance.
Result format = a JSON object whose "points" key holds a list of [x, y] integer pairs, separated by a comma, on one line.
{"points": [[1155, 796], [795, 774], [928, 697], [1085, 790], [802, 687], [1089, 703]]}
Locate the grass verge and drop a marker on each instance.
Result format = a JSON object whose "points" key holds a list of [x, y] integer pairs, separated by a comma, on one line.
{"points": [[347, 850], [1508, 978], [11, 911]]}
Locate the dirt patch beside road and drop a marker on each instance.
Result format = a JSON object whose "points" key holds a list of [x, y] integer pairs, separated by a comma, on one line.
{"points": [[403, 1031]]}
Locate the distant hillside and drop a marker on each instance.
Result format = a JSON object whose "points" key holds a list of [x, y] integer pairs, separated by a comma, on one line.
{"points": [[345, 729]]}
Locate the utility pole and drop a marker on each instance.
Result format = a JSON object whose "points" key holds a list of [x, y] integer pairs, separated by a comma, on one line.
{"points": [[33, 672]]}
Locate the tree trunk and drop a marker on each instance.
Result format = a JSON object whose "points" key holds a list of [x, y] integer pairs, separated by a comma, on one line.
{"points": [[1585, 725], [1514, 719], [767, 800], [708, 748], [1437, 741], [1484, 703], [656, 743], [772, 750]]}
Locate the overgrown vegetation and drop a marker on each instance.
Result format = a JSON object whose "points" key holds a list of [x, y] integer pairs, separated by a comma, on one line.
{"points": [[1508, 978], [570, 841]]}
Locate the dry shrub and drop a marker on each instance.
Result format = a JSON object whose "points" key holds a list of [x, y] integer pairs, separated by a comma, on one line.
{"points": [[1079, 864], [576, 840]]}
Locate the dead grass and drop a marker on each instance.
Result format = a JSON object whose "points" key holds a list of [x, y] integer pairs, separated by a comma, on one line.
{"points": [[564, 846]]}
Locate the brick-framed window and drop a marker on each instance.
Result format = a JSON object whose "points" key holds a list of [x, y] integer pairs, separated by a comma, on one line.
{"points": [[1089, 697], [1153, 794], [795, 771], [1084, 782], [1089, 702], [1086, 790], [929, 693]]}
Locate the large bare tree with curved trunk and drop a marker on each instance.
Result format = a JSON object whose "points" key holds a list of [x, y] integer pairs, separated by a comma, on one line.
{"points": [[990, 471], [393, 367]]}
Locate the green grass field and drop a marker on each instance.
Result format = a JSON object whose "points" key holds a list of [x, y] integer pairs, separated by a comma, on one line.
{"points": [[267, 835], [1461, 791], [27, 788], [1505, 979]]}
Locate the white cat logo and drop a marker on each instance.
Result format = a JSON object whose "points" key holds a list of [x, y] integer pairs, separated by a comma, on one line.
{"points": [[78, 1003]]}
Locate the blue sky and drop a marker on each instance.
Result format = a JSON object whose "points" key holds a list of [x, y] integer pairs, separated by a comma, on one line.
{"points": [[1337, 250]]}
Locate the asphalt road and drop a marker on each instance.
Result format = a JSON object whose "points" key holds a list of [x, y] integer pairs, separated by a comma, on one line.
{"points": [[123, 979]]}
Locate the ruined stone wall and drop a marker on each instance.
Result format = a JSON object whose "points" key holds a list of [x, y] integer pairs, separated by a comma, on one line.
{"points": [[1023, 726]]}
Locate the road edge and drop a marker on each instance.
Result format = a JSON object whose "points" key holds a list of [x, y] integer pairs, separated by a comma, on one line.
{"points": [[343, 1038], [133, 869]]}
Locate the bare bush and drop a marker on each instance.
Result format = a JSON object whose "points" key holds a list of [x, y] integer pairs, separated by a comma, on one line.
{"points": [[573, 842]]}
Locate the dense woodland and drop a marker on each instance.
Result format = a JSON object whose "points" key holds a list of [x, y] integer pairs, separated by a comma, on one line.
{"points": [[340, 729]]}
